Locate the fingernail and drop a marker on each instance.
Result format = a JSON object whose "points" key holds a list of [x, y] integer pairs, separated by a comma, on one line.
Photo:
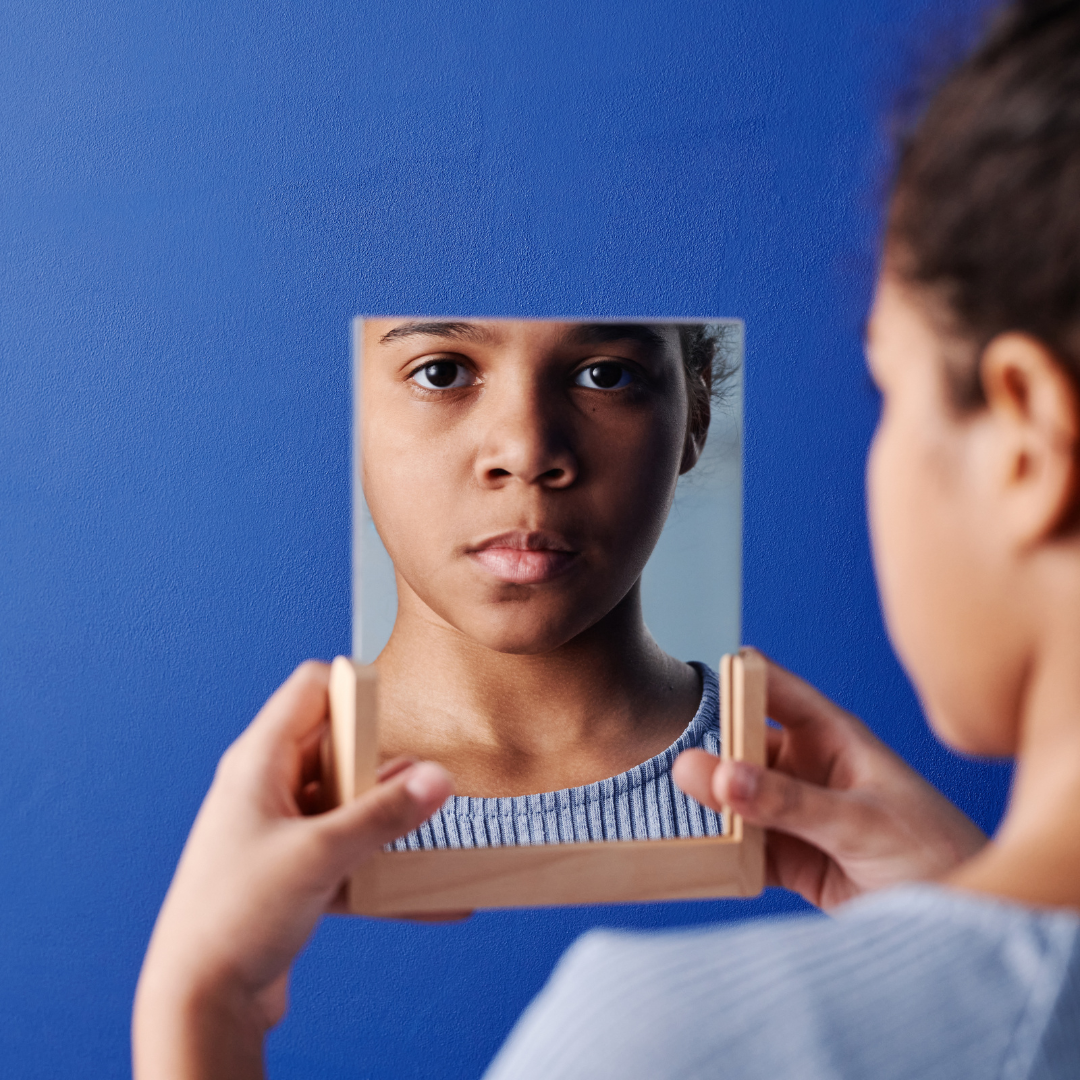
{"points": [[743, 784], [426, 781]]}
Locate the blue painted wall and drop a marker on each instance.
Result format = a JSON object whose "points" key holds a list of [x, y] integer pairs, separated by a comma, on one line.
{"points": [[194, 200]]}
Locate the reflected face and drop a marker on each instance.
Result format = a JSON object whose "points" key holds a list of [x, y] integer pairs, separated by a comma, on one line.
{"points": [[937, 551], [519, 473]]}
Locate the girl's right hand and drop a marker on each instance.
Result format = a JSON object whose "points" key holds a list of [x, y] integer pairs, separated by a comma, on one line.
{"points": [[845, 814], [261, 866]]}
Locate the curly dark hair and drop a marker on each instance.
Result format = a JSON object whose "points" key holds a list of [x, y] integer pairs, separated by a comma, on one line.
{"points": [[710, 358], [985, 212]]}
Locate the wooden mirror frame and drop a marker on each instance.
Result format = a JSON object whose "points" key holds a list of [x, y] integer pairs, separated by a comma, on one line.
{"points": [[407, 883]]}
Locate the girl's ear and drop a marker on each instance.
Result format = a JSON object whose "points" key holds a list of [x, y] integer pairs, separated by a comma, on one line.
{"points": [[691, 454], [695, 443], [697, 427], [1035, 430]]}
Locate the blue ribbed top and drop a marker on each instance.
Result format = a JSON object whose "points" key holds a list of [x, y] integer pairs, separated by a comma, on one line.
{"points": [[642, 803], [916, 983]]}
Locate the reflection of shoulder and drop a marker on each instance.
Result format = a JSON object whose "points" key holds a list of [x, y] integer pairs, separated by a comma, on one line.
{"points": [[914, 983]]}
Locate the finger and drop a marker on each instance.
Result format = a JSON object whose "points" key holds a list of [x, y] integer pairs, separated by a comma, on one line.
{"points": [[310, 749], [389, 810], [340, 904], [313, 758], [440, 916], [310, 799], [774, 743], [693, 771], [795, 704], [285, 731], [827, 819], [793, 864], [296, 708]]}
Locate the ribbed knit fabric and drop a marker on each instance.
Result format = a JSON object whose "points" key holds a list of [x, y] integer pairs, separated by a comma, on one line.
{"points": [[917, 983], [640, 804]]}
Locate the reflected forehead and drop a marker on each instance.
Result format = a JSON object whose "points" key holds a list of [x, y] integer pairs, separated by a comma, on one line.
{"points": [[488, 333]]}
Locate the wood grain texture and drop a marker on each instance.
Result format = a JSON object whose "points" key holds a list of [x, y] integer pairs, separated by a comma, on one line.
{"points": [[727, 735], [342, 767], [403, 883], [748, 703], [419, 882], [353, 727]]}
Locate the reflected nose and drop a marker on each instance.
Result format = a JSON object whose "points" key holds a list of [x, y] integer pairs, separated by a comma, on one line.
{"points": [[526, 439]]}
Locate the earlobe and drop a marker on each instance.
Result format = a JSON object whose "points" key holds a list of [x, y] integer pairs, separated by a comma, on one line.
{"points": [[697, 430], [695, 443], [1036, 412]]}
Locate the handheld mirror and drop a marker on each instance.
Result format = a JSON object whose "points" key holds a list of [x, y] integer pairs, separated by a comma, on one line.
{"points": [[546, 569]]}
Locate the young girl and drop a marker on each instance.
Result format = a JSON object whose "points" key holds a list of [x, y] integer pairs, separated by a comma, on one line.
{"points": [[519, 474], [974, 490], [974, 496]]}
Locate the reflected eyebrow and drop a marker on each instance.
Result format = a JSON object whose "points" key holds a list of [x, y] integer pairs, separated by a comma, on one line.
{"points": [[458, 330], [601, 333]]}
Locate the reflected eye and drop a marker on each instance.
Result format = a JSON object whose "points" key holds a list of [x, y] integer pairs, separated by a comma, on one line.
{"points": [[443, 375], [607, 375]]}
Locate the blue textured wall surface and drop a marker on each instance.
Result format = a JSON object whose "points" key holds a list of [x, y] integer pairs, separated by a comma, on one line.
{"points": [[194, 200]]}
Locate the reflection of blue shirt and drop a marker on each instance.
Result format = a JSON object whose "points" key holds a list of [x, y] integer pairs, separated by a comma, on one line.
{"points": [[640, 804], [917, 983]]}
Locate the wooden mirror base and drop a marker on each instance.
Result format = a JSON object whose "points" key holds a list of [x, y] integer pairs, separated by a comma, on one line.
{"points": [[408, 883]]}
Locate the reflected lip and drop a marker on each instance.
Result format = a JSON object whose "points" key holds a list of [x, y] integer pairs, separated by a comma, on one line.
{"points": [[523, 557], [525, 540]]}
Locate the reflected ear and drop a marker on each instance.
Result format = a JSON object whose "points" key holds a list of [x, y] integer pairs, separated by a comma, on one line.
{"points": [[697, 430], [1035, 413]]}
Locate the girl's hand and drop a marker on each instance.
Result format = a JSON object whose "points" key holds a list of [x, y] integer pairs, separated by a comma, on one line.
{"points": [[845, 814], [257, 872]]}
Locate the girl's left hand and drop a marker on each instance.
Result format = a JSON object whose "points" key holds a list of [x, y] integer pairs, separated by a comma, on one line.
{"points": [[845, 814], [257, 872]]}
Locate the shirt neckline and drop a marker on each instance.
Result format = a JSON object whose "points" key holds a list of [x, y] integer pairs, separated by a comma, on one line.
{"points": [[707, 716]]}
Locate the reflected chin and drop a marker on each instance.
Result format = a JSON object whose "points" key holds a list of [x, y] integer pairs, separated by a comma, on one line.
{"points": [[532, 623], [519, 619], [522, 633]]}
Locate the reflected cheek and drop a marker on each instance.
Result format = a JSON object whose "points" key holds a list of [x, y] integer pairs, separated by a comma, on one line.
{"points": [[632, 491], [410, 491]]}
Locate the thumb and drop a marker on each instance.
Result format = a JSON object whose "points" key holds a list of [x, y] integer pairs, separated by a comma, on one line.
{"points": [[390, 809], [829, 820]]}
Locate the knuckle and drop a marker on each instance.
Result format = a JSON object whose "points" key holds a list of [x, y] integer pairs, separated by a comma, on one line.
{"points": [[230, 765], [376, 816], [387, 816], [239, 767], [324, 846], [782, 799], [311, 671]]}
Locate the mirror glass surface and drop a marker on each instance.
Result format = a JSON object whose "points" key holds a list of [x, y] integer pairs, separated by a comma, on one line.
{"points": [[603, 453]]}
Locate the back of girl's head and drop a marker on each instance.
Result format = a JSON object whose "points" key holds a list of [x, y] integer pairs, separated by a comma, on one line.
{"points": [[986, 205]]}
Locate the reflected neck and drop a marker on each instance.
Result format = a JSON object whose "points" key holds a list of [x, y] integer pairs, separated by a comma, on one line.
{"points": [[512, 723]]}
